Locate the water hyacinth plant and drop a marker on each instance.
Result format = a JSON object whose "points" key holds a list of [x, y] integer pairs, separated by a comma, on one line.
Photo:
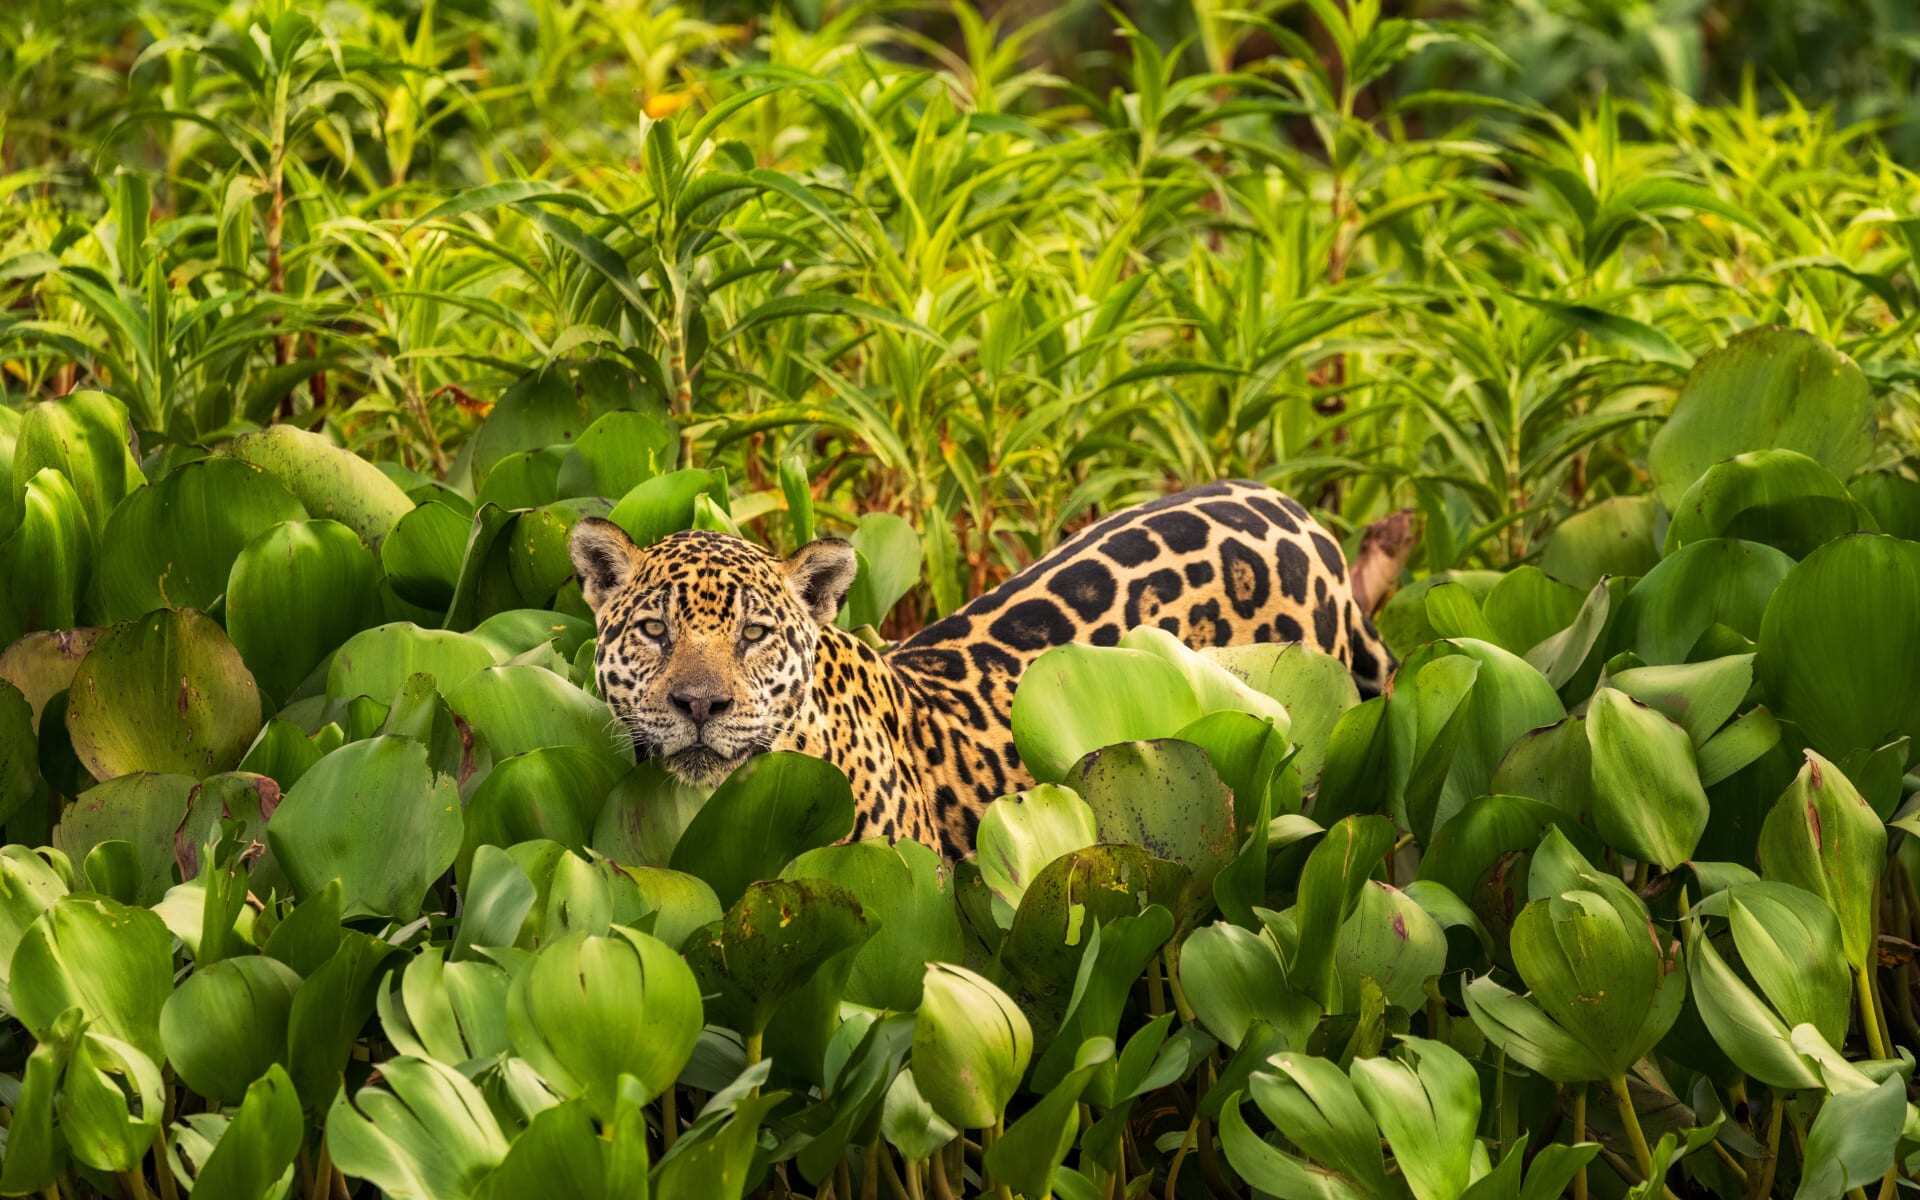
{"points": [[326, 872]]}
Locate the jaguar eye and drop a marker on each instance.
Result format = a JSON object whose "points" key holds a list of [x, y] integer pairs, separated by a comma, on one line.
{"points": [[754, 633], [654, 629]]}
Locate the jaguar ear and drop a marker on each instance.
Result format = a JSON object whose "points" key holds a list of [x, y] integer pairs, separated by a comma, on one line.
{"points": [[820, 573], [604, 556]]}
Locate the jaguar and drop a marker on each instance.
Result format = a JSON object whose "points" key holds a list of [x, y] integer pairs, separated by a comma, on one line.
{"points": [[712, 650]]}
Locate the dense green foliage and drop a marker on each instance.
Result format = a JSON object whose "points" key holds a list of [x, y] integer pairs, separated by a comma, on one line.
{"points": [[326, 872]]}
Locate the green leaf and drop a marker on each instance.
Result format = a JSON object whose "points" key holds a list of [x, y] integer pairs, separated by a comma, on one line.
{"points": [[426, 1135], [376, 662], [971, 1045], [173, 543], [1767, 389], [167, 692], [1330, 886], [665, 504], [1076, 699], [257, 1148], [112, 962], [1164, 797], [377, 817], [770, 945], [586, 1011], [775, 807], [1822, 835], [1647, 799], [1614, 537], [1778, 497], [1235, 978], [1853, 1140], [297, 591], [902, 888], [1019, 835], [1025, 1157], [1390, 940], [83, 437], [226, 1025], [333, 484], [1427, 1103], [1847, 692], [144, 810]]}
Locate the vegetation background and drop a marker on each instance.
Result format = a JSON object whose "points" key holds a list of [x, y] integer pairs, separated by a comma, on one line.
{"points": [[328, 874]]}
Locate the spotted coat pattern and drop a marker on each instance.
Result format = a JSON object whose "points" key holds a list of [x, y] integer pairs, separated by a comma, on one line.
{"points": [[923, 731]]}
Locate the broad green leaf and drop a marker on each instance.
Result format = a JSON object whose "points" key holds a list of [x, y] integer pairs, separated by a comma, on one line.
{"points": [[1765, 389], [112, 962], [1647, 799], [167, 692], [1823, 836], [775, 807], [297, 591], [971, 1045], [376, 662], [331, 483], [425, 1133], [374, 815], [227, 1024], [1427, 1104], [173, 543], [1778, 497], [771, 944], [1019, 835], [259, 1144], [903, 888], [586, 1011], [1076, 699]]}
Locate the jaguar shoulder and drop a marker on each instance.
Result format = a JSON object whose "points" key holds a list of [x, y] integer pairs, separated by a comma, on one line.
{"points": [[712, 650]]}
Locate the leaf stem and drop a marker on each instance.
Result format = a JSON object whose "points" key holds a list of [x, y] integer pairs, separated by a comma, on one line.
{"points": [[161, 1173], [1869, 1011], [1171, 956], [1631, 1121], [669, 1118], [1761, 1185], [1580, 1135]]}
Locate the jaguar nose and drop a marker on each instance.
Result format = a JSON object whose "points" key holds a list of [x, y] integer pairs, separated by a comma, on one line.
{"points": [[700, 705]]}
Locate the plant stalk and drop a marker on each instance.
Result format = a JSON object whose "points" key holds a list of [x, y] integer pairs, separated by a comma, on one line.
{"points": [[1580, 1135], [1631, 1120], [1760, 1185]]}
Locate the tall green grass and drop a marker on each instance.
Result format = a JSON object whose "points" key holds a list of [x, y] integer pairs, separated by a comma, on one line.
{"points": [[964, 287]]}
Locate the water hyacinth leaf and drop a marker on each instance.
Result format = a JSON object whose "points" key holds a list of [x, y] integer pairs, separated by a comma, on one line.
{"points": [[549, 406], [1164, 797], [719, 1156], [1019, 835], [1391, 940], [425, 1134], [517, 709], [1846, 692], [559, 1153], [554, 792], [1823, 836], [1593, 968], [1235, 978], [331, 483], [83, 437], [971, 1045], [909, 1123], [1569, 658], [1355, 775], [1330, 885], [517, 631], [1253, 759], [617, 453], [1743, 1026], [41, 664], [256, 1150], [1718, 581], [665, 504], [1099, 885], [49, 556], [34, 1158], [1318, 1109], [1117, 953], [524, 479], [1026, 1157], [1276, 1172], [296, 591], [771, 943], [775, 807], [112, 1101], [1466, 848], [421, 556], [167, 692], [1528, 1035], [1765, 389], [377, 662], [1778, 497], [330, 1010], [173, 543], [1216, 688], [1315, 688], [588, 1010], [1427, 1104], [374, 815], [494, 902], [1614, 537], [1403, 622], [904, 890], [1789, 941], [679, 903], [889, 556], [1076, 699], [1853, 1140], [1527, 607], [1454, 612], [1647, 798], [143, 810], [227, 1024], [647, 813], [1738, 745], [1699, 696], [112, 962], [1893, 501]]}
